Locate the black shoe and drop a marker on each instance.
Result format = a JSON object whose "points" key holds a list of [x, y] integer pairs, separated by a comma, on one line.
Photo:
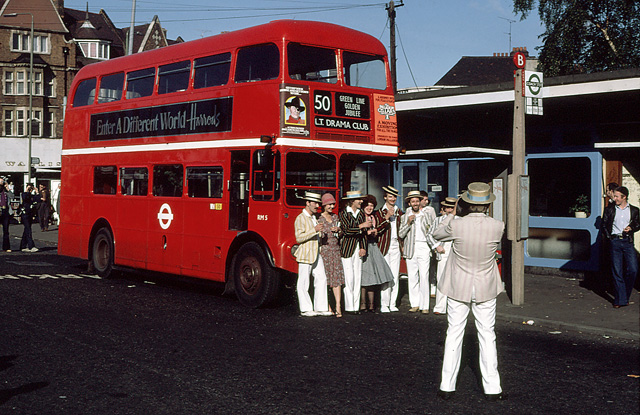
{"points": [[445, 396], [494, 397]]}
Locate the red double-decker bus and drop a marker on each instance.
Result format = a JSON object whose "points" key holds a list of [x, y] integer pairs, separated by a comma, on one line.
{"points": [[192, 159]]}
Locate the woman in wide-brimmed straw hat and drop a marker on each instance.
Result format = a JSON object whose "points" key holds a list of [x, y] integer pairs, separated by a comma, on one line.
{"points": [[330, 250]]}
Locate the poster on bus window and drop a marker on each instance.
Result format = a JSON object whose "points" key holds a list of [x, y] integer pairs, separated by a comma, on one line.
{"points": [[386, 129], [294, 107]]}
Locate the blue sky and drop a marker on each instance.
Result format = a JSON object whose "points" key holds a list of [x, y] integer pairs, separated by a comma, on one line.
{"points": [[433, 34]]}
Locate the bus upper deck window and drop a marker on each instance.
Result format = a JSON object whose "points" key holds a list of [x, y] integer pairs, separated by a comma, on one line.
{"points": [[85, 93], [173, 77], [257, 63], [212, 70], [140, 83], [310, 63], [364, 71], [111, 88]]}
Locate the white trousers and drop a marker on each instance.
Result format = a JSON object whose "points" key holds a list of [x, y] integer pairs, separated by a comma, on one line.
{"points": [[352, 280], [418, 276], [485, 317], [389, 291], [320, 300], [441, 299]]}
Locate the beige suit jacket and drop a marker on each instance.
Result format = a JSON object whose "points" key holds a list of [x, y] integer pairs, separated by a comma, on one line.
{"points": [[472, 262], [307, 237]]}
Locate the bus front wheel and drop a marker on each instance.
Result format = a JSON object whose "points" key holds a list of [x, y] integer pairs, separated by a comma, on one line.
{"points": [[102, 253], [255, 282]]}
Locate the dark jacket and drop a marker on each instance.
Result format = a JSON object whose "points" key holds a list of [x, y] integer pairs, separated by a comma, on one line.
{"points": [[609, 215], [352, 236]]}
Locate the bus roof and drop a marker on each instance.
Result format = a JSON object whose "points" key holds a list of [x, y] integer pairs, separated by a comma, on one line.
{"points": [[303, 31]]}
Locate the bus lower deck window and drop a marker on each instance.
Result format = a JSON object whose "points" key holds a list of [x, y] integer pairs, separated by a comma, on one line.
{"points": [[205, 182], [105, 180], [134, 181], [167, 180]]}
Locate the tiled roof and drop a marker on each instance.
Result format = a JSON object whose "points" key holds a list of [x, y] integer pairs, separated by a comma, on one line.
{"points": [[479, 70]]}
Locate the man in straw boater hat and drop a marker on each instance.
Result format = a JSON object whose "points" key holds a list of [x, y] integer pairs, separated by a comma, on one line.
{"points": [[353, 246], [388, 218], [471, 281], [307, 231], [440, 251], [413, 230]]}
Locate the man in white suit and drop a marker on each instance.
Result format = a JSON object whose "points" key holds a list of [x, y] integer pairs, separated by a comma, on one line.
{"points": [[471, 281], [440, 252], [307, 231], [413, 230]]}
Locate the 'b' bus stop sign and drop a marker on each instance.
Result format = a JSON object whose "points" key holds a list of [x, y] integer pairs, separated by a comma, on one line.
{"points": [[533, 92]]}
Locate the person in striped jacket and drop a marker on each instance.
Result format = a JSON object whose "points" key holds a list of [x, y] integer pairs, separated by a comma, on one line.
{"points": [[353, 246], [388, 218]]}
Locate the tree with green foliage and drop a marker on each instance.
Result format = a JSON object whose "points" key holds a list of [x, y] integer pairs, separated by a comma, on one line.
{"points": [[585, 36]]}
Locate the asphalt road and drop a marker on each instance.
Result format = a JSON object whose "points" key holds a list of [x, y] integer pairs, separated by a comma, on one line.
{"points": [[150, 344]]}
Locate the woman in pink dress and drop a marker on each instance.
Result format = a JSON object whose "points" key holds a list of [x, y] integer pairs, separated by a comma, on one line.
{"points": [[330, 249]]}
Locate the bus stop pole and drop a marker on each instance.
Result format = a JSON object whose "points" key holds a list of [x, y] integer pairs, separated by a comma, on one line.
{"points": [[513, 221]]}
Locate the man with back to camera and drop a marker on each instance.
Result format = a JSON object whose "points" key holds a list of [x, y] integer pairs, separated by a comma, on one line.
{"points": [[620, 221], [307, 231], [389, 216], [471, 281]]}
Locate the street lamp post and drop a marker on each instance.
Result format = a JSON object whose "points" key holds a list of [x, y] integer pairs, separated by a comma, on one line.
{"points": [[30, 85]]}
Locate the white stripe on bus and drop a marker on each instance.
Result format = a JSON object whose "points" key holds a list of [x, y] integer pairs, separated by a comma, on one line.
{"points": [[247, 142]]}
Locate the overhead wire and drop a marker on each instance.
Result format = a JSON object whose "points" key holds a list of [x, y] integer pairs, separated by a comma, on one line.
{"points": [[405, 55]]}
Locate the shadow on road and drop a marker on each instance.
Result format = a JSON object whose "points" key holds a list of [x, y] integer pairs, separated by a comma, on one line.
{"points": [[6, 394]]}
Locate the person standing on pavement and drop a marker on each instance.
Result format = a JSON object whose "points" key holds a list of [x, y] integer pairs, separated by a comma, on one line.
{"points": [[26, 215], [353, 247], [413, 230], [431, 215], [330, 249], [440, 252], [44, 208], [307, 231], [375, 270], [389, 244], [620, 221], [5, 214], [471, 281]]}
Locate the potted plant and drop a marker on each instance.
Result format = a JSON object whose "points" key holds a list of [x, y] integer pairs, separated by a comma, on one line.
{"points": [[581, 207]]}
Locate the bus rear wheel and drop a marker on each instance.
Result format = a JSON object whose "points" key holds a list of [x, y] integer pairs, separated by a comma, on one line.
{"points": [[255, 282], [102, 253]]}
